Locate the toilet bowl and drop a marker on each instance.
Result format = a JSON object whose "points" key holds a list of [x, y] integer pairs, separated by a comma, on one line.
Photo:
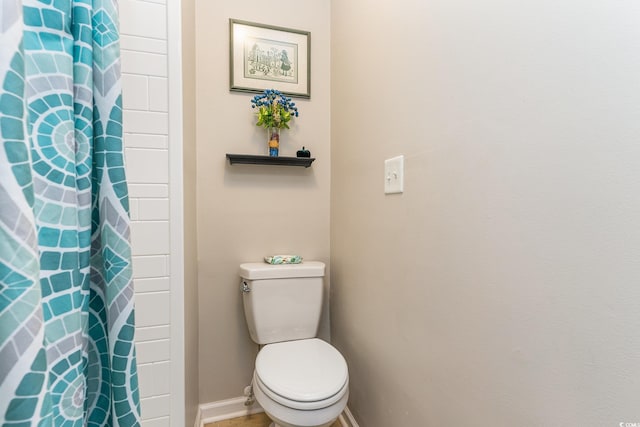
{"points": [[302, 383], [299, 380]]}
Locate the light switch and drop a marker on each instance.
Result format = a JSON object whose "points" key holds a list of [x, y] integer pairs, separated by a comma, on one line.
{"points": [[394, 175]]}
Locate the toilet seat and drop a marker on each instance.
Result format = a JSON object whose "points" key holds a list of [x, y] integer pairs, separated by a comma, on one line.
{"points": [[304, 374]]}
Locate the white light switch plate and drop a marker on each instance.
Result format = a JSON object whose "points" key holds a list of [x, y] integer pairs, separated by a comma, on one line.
{"points": [[394, 175]]}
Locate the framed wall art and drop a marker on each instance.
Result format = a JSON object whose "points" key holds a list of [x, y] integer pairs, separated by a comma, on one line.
{"points": [[268, 57]]}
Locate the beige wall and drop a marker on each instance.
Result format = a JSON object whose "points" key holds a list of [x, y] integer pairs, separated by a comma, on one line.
{"points": [[502, 287], [247, 212]]}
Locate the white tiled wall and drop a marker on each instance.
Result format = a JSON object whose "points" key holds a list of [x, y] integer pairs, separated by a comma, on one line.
{"points": [[143, 27]]}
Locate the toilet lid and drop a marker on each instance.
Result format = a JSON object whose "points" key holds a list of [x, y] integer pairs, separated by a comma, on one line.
{"points": [[305, 370]]}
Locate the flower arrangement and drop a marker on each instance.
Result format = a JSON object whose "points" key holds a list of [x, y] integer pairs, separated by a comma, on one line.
{"points": [[274, 109]]}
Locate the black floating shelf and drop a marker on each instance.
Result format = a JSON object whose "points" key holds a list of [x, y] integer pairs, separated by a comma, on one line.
{"points": [[250, 159]]}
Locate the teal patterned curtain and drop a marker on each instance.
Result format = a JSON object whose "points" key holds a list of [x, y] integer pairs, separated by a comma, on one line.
{"points": [[67, 355]]}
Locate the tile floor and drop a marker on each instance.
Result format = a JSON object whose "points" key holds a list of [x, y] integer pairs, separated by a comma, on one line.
{"points": [[256, 420]]}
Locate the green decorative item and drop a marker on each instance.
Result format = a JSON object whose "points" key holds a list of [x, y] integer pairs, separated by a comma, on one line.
{"points": [[275, 111], [283, 259]]}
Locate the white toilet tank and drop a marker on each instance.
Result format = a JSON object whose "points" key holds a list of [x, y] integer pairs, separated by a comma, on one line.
{"points": [[282, 302]]}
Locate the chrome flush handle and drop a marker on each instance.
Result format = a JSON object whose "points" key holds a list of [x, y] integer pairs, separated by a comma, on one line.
{"points": [[245, 287]]}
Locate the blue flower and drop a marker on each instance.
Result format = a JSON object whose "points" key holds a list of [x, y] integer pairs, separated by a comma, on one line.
{"points": [[272, 106]]}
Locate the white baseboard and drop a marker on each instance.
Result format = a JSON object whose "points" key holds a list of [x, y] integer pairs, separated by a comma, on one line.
{"points": [[234, 408], [224, 410]]}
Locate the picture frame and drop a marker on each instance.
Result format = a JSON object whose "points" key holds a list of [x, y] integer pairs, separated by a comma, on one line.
{"points": [[268, 57]]}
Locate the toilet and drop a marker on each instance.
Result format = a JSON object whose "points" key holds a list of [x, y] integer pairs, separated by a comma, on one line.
{"points": [[299, 380]]}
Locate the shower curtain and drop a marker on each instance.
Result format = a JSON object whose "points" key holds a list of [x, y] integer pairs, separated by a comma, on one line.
{"points": [[67, 355]]}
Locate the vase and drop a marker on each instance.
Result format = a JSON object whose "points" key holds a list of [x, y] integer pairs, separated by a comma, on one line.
{"points": [[273, 136]]}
